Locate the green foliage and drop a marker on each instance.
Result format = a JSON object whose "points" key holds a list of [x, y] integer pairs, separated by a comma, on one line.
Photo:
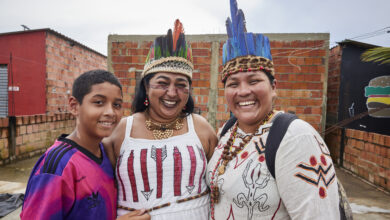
{"points": [[378, 54]]}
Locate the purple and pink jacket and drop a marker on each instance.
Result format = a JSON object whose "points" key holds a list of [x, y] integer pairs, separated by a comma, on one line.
{"points": [[69, 182]]}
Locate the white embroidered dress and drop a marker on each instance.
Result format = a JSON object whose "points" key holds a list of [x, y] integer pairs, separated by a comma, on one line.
{"points": [[151, 173], [305, 185]]}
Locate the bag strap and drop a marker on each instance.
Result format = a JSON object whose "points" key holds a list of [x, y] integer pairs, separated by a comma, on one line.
{"points": [[275, 136], [228, 125]]}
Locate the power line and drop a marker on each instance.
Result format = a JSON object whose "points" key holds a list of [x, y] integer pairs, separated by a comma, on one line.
{"points": [[372, 34]]}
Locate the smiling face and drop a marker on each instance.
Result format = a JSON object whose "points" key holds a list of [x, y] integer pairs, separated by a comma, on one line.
{"points": [[249, 96], [168, 93], [100, 111]]}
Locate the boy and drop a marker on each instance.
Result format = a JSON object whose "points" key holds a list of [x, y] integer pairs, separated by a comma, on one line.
{"points": [[74, 179]]}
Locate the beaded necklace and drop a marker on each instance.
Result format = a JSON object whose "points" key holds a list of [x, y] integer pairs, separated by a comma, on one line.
{"points": [[161, 130], [226, 156]]}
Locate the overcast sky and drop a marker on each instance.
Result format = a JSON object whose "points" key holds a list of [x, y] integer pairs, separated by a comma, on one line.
{"points": [[91, 21]]}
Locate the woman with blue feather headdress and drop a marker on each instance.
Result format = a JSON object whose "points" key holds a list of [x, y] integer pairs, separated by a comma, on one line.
{"points": [[267, 164]]}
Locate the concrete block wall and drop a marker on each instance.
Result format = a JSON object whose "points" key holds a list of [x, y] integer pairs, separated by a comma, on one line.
{"points": [[366, 154], [34, 134], [301, 64], [66, 60], [4, 149]]}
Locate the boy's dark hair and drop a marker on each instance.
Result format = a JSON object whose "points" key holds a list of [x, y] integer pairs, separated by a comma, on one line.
{"points": [[140, 95], [83, 84]]}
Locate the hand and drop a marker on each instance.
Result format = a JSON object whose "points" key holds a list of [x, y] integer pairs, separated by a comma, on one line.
{"points": [[135, 215]]}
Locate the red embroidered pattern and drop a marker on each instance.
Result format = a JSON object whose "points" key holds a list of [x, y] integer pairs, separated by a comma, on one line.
{"points": [[159, 154], [120, 179], [191, 185], [321, 170], [201, 152], [133, 183], [178, 172], [144, 170]]}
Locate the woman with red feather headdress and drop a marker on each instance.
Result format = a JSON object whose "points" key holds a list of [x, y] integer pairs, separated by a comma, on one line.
{"points": [[161, 151]]}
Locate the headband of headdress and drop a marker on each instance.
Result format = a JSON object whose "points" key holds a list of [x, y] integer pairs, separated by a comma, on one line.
{"points": [[244, 51], [170, 53]]}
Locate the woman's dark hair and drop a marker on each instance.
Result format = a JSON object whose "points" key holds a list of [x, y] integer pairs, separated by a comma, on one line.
{"points": [[140, 95]]}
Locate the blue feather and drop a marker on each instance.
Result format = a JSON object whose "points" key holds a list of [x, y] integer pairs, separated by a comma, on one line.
{"points": [[266, 49], [241, 32], [250, 44], [259, 44], [229, 27], [224, 53], [241, 43], [233, 13]]}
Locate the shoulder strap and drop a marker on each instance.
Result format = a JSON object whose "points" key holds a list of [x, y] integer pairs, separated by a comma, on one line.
{"points": [[275, 136], [228, 125]]}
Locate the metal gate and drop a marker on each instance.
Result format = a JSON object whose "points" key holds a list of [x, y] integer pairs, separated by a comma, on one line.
{"points": [[3, 91]]}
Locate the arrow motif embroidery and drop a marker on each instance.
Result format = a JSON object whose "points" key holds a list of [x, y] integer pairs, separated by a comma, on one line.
{"points": [[203, 157], [130, 170], [178, 172], [191, 185], [144, 170], [159, 155], [120, 178]]}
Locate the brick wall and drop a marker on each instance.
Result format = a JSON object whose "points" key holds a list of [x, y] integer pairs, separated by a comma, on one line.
{"points": [[333, 85], [301, 70], [66, 60], [366, 154]]}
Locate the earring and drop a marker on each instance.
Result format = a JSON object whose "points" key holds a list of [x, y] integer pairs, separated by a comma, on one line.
{"points": [[146, 102]]}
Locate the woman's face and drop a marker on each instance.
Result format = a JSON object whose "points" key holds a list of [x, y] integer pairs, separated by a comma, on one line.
{"points": [[168, 94], [249, 96]]}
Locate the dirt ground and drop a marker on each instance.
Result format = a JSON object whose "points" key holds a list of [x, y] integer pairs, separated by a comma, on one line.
{"points": [[367, 202]]}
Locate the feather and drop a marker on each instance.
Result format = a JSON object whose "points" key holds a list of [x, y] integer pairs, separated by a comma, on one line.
{"points": [[172, 44], [177, 31], [259, 44], [164, 47], [241, 32], [233, 13], [250, 43], [229, 27], [241, 43], [158, 50], [169, 43]]}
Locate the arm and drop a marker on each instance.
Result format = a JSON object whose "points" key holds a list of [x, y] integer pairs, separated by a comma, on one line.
{"points": [[113, 143], [206, 134], [49, 197], [135, 215], [305, 175]]}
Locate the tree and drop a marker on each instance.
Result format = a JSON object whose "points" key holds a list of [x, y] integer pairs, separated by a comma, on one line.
{"points": [[377, 54]]}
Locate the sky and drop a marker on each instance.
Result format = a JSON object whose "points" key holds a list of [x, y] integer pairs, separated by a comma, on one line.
{"points": [[90, 22]]}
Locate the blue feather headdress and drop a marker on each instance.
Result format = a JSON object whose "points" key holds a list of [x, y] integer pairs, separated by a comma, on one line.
{"points": [[244, 51]]}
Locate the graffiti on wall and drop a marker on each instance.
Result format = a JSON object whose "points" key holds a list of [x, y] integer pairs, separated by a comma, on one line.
{"points": [[378, 97], [364, 98]]}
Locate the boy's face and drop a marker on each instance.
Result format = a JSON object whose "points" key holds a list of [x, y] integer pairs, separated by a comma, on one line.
{"points": [[100, 111]]}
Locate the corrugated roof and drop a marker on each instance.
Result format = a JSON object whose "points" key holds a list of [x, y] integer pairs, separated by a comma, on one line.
{"points": [[57, 34], [356, 43]]}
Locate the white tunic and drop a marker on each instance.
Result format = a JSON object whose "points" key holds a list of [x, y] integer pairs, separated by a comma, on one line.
{"points": [[305, 185], [154, 172]]}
